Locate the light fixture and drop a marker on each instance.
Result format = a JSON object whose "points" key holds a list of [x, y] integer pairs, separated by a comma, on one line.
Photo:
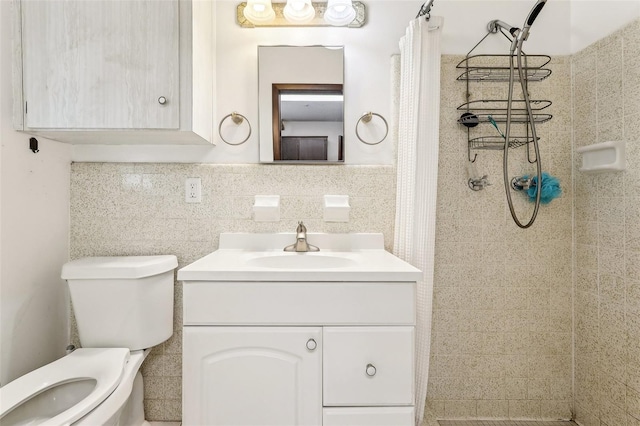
{"points": [[259, 12], [296, 13], [299, 11], [339, 12]]}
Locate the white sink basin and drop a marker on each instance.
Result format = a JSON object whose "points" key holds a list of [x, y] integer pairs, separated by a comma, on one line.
{"points": [[300, 261], [260, 258]]}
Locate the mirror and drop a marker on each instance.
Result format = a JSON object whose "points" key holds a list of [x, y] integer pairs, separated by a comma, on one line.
{"points": [[301, 104]]}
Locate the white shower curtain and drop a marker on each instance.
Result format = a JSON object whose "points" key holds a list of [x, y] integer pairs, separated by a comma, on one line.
{"points": [[418, 136]]}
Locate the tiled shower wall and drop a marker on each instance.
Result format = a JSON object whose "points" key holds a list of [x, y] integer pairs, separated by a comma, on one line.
{"points": [[502, 318], [139, 209], [606, 89]]}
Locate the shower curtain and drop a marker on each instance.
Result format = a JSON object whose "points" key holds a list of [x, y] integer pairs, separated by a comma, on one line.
{"points": [[418, 136]]}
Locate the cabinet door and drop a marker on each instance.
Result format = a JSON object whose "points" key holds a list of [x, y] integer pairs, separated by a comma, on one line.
{"points": [[252, 376], [101, 64]]}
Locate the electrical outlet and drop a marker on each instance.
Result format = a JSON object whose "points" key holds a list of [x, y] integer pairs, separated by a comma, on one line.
{"points": [[193, 190]]}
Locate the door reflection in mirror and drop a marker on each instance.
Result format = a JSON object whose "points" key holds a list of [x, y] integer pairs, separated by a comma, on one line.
{"points": [[307, 122]]}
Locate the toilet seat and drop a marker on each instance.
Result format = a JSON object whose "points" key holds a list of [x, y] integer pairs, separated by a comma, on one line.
{"points": [[104, 365]]}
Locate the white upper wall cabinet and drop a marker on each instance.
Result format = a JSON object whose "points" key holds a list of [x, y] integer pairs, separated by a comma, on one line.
{"points": [[115, 72]]}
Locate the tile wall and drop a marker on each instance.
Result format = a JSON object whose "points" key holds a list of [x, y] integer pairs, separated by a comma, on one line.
{"points": [[606, 89], [139, 209], [502, 319]]}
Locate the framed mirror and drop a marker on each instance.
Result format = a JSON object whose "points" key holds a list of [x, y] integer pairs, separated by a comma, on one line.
{"points": [[301, 104]]}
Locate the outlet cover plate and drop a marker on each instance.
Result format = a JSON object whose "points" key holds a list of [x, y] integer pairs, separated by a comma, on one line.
{"points": [[193, 190]]}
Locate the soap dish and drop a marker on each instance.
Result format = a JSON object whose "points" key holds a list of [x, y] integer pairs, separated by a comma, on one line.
{"points": [[603, 157]]}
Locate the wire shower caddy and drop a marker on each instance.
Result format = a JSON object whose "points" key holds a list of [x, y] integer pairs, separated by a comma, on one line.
{"points": [[479, 68]]}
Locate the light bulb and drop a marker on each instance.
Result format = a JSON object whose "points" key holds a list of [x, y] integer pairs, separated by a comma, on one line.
{"points": [[299, 11], [259, 12], [339, 12]]}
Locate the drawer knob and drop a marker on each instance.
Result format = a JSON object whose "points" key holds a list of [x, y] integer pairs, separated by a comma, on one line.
{"points": [[162, 100], [311, 344], [371, 370]]}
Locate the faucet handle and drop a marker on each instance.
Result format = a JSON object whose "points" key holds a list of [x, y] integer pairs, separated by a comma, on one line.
{"points": [[301, 227]]}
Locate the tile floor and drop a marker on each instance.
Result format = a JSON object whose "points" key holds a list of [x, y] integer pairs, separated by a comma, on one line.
{"points": [[503, 423], [455, 423]]}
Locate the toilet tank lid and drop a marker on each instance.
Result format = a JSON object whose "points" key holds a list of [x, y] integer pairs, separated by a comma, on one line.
{"points": [[109, 267]]}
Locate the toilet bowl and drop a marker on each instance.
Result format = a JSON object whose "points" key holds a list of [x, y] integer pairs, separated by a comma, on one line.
{"points": [[65, 390], [123, 306]]}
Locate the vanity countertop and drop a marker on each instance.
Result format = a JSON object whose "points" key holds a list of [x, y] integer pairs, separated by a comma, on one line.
{"points": [[260, 257]]}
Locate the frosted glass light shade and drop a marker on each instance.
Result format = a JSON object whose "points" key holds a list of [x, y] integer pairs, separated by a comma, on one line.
{"points": [[339, 12], [259, 11], [299, 11]]}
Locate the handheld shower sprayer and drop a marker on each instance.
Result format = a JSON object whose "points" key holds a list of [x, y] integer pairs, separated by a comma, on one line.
{"points": [[534, 12], [524, 34], [516, 55]]}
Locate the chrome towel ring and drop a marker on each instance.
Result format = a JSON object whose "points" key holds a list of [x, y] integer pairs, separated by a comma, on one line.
{"points": [[238, 119], [366, 118]]}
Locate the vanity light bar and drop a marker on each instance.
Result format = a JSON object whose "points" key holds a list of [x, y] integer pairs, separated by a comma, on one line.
{"points": [[317, 21]]}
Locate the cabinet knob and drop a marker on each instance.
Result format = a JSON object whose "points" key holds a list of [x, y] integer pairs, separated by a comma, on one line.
{"points": [[311, 344], [162, 100], [371, 370]]}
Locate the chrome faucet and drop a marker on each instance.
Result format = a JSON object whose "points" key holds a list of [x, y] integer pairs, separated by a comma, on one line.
{"points": [[301, 244]]}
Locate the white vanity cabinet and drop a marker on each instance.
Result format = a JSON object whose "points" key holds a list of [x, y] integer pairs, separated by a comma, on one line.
{"points": [[261, 353], [275, 338], [114, 72]]}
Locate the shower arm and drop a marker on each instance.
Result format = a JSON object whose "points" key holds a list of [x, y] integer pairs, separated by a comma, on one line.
{"points": [[498, 25], [425, 10], [519, 35]]}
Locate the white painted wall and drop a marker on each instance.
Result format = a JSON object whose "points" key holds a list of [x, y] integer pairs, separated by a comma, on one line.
{"points": [[593, 20], [367, 80], [34, 224], [466, 23], [368, 53], [563, 27]]}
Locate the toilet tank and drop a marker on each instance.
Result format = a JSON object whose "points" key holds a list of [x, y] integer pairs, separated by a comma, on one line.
{"points": [[124, 302]]}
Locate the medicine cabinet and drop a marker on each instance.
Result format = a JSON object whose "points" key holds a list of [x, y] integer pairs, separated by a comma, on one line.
{"points": [[114, 72]]}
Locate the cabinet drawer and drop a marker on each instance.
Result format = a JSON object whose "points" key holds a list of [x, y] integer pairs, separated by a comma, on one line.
{"points": [[299, 303], [368, 366], [368, 416]]}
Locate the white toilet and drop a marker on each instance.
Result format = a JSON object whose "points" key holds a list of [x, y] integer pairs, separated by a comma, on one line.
{"points": [[123, 306]]}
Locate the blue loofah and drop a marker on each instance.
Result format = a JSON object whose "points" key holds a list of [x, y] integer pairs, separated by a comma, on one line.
{"points": [[550, 188]]}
